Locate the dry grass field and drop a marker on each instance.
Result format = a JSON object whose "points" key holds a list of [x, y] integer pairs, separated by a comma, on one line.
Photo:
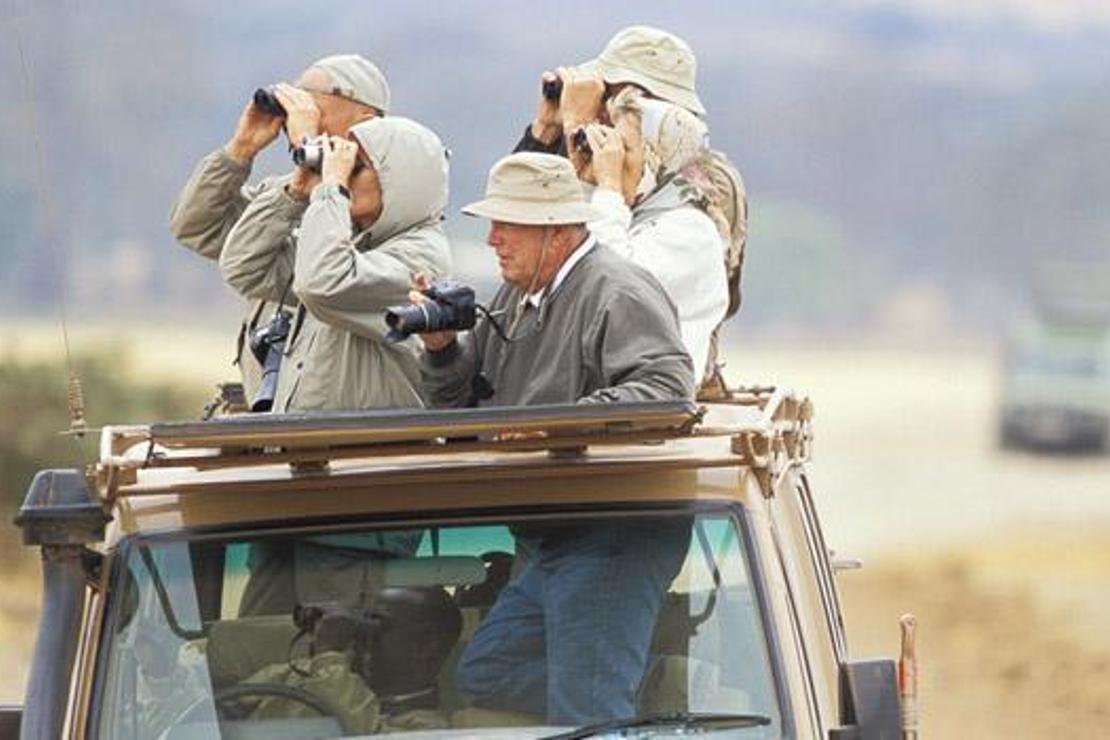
{"points": [[1002, 556]]}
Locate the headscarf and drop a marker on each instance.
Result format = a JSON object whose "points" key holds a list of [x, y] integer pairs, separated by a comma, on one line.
{"points": [[676, 156]]}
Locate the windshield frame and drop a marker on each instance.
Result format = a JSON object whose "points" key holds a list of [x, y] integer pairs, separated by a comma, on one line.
{"points": [[734, 511]]}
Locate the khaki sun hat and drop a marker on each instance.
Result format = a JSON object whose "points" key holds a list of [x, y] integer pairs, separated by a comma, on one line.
{"points": [[660, 62], [535, 190], [356, 78]]}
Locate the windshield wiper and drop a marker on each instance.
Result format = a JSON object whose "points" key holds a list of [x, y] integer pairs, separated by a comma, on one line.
{"points": [[677, 720]]}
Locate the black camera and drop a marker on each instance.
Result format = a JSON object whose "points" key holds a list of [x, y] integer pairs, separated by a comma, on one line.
{"points": [[398, 645], [553, 89], [452, 307], [268, 103], [268, 345]]}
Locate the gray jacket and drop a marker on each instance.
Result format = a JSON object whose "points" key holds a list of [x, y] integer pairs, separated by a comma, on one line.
{"points": [[608, 332], [206, 209], [336, 357]]}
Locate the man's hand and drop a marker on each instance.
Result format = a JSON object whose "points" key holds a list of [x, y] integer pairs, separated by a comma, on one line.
{"points": [[581, 100], [339, 160], [548, 124], [302, 115], [434, 341], [253, 133]]}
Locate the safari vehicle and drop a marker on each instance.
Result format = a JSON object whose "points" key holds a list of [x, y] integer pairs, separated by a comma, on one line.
{"points": [[155, 625]]}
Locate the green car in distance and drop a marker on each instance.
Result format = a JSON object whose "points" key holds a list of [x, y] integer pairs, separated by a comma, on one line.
{"points": [[1056, 387]]}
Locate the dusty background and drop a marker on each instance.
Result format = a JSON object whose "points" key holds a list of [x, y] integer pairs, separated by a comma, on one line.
{"points": [[1002, 556]]}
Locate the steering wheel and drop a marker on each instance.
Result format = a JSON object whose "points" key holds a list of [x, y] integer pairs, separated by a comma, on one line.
{"points": [[322, 705]]}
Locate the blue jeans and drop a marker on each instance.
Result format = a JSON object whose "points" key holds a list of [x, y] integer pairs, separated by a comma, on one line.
{"points": [[569, 637]]}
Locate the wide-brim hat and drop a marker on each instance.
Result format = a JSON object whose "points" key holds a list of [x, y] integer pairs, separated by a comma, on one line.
{"points": [[658, 61], [534, 190]]}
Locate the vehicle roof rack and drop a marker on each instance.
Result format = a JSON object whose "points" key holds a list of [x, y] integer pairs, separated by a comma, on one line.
{"points": [[313, 439]]}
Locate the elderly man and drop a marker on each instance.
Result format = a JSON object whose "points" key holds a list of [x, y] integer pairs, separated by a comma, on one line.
{"points": [[581, 325], [330, 97]]}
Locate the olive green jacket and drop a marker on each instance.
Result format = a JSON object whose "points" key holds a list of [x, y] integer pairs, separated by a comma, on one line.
{"points": [[336, 357], [206, 209]]}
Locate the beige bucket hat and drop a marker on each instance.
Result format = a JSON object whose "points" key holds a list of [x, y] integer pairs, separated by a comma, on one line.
{"points": [[658, 61], [356, 78], [533, 189]]}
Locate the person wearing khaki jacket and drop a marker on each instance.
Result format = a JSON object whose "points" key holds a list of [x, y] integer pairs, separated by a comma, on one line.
{"points": [[372, 221], [353, 254], [332, 95]]}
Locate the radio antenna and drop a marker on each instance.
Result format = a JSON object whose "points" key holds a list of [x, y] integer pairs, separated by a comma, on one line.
{"points": [[75, 394]]}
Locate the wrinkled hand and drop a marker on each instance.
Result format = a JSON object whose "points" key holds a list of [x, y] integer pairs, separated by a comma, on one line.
{"points": [[547, 126], [302, 115], [608, 156], [629, 126], [339, 160], [434, 341], [581, 100], [254, 132]]}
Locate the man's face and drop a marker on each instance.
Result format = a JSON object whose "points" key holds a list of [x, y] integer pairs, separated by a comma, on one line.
{"points": [[519, 249], [337, 114]]}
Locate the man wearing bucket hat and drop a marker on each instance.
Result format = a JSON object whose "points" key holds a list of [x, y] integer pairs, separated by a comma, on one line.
{"points": [[580, 324], [657, 62], [333, 94]]}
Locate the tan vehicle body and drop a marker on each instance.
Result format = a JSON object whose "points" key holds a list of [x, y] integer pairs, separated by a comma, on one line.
{"points": [[751, 453]]}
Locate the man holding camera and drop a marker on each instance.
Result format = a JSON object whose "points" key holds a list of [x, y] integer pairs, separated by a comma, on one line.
{"points": [[332, 95], [579, 325]]}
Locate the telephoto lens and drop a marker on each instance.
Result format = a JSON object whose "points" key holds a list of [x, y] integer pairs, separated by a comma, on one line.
{"points": [[268, 103], [452, 307], [553, 89]]}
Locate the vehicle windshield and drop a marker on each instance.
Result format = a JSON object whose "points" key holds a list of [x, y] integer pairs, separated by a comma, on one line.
{"points": [[494, 628]]}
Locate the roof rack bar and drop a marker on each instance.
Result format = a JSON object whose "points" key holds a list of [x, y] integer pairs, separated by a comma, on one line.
{"points": [[248, 457], [399, 425]]}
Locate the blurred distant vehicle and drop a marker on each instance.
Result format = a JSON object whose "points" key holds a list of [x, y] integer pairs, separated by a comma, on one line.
{"points": [[1056, 386]]}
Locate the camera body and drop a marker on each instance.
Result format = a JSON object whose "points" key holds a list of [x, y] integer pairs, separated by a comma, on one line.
{"points": [[267, 344], [452, 307], [310, 153], [268, 103]]}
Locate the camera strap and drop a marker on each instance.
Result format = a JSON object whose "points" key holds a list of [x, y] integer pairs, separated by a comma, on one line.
{"points": [[298, 321]]}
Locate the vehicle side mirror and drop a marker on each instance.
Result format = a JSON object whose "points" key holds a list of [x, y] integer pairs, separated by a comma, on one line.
{"points": [[869, 705]]}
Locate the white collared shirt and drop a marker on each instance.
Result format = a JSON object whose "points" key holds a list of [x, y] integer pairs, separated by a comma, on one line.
{"points": [[535, 299]]}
